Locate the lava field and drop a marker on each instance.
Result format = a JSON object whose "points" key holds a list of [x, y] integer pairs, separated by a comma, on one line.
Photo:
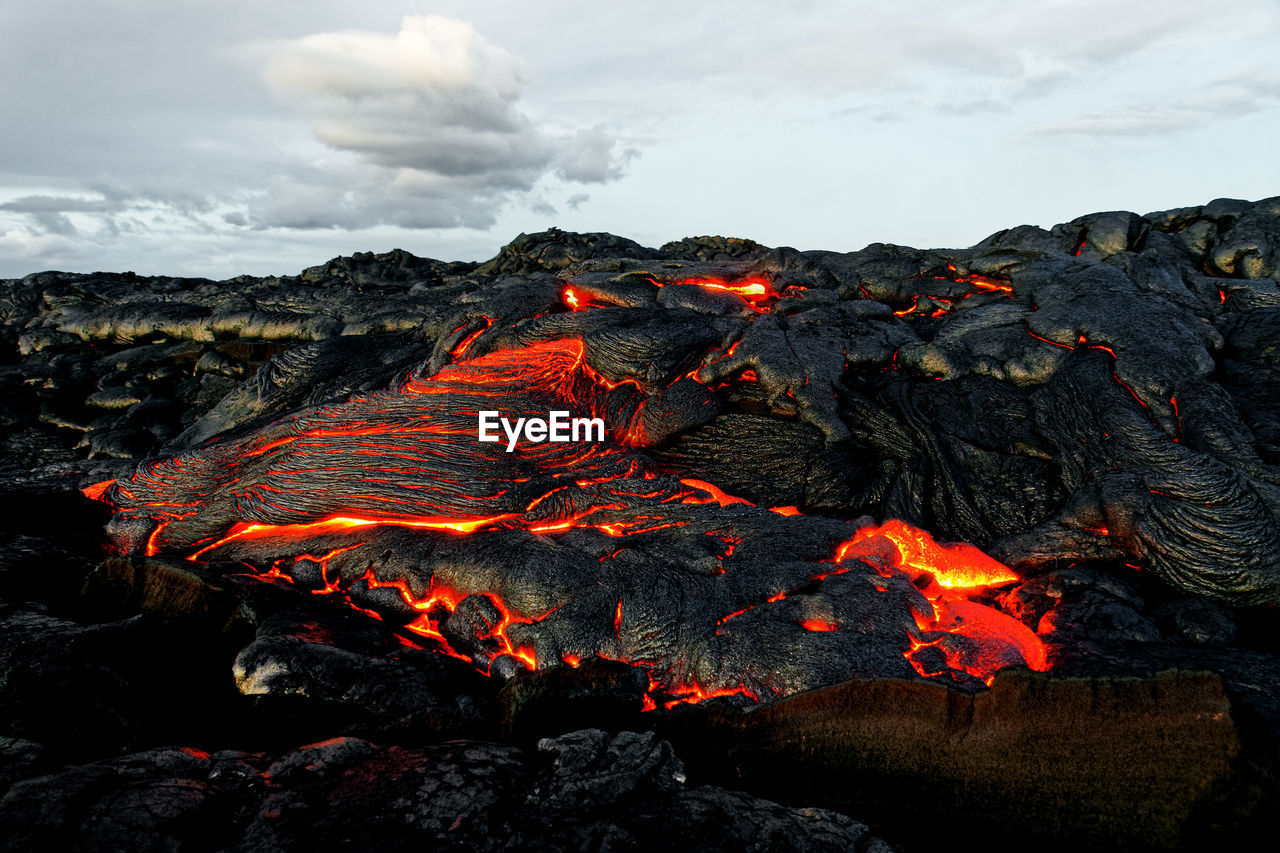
{"points": [[867, 551]]}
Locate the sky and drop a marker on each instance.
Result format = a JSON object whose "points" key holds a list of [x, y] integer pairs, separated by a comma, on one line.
{"points": [[220, 137]]}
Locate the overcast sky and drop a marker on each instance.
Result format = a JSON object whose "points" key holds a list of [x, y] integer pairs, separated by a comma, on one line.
{"points": [[217, 137]]}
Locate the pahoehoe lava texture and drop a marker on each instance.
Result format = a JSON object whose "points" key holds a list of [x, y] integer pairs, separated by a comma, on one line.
{"points": [[847, 351], [1053, 405], [1096, 406], [1082, 413], [585, 546]]}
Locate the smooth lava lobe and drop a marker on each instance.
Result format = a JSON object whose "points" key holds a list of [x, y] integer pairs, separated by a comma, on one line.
{"points": [[562, 551]]}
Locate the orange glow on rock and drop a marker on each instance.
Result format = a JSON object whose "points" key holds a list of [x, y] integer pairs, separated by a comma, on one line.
{"points": [[438, 597], [1047, 341], [694, 693], [466, 342], [984, 284], [956, 565], [992, 633], [991, 639], [756, 293], [340, 524], [714, 494], [748, 291], [94, 492], [577, 496]]}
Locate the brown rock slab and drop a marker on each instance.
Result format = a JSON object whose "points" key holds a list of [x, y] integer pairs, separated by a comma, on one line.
{"points": [[173, 593], [1113, 763]]}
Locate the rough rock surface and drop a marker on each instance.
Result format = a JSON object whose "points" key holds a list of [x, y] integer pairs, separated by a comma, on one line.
{"points": [[1097, 405], [584, 790], [1051, 760]]}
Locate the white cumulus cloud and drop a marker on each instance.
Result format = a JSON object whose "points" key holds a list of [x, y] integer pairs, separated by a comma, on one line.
{"points": [[431, 121]]}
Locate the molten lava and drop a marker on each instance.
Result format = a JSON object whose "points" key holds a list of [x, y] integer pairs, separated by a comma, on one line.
{"points": [[757, 294], [995, 640], [953, 566], [301, 496], [753, 293]]}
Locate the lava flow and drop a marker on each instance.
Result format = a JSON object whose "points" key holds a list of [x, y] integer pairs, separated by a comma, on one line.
{"points": [[973, 638], [756, 294], [560, 550]]}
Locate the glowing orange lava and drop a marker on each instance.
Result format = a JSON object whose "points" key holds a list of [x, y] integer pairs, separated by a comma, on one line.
{"points": [[342, 524], [995, 638], [95, 491], [694, 693], [753, 292], [956, 565], [993, 634], [756, 293], [577, 496], [714, 494], [461, 349]]}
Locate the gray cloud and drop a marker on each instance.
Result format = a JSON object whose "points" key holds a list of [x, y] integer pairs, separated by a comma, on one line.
{"points": [[988, 56], [418, 128], [431, 121], [1232, 97], [352, 196], [247, 136], [589, 157], [40, 204], [436, 96]]}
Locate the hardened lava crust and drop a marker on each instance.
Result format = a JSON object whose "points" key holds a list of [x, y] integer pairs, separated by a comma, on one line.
{"points": [[837, 528]]}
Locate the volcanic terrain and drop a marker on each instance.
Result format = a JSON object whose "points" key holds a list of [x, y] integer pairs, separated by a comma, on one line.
{"points": [[989, 537]]}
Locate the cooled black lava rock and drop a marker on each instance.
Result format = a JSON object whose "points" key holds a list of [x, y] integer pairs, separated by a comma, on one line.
{"points": [[1130, 352], [1101, 393], [583, 790]]}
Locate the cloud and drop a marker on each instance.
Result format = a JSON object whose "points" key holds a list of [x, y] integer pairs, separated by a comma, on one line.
{"points": [[22, 243], [246, 136], [108, 214], [38, 216], [994, 56], [66, 231], [42, 204], [589, 157], [1225, 98], [430, 124], [435, 96]]}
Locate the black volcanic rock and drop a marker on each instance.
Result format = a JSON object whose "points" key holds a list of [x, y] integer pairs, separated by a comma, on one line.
{"points": [[1095, 404], [1048, 761], [583, 790], [554, 250]]}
